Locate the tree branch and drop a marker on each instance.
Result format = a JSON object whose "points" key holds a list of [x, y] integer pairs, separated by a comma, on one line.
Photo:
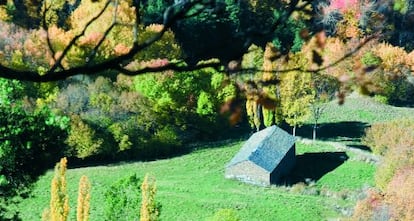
{"points": [[46, 28], [73, 41]]}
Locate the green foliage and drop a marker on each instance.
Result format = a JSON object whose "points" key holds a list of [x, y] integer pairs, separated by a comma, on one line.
{"points": [[225, 19], [165, 48], [122, 139], [11, 91], [164, 142], [204, 104], [381, 99], [287, 37], [401, 6], [189, 100], [253, 59], [153, 11], [31, 141], [369, 59], [123, 198], [225, 215], [399, 91]]}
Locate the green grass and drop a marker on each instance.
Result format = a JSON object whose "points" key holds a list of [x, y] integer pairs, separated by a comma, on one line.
{"points": [[192, 187], [363, 109]]}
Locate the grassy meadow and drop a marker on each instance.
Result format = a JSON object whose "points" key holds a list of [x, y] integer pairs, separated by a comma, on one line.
{"points": [[329, 178]]}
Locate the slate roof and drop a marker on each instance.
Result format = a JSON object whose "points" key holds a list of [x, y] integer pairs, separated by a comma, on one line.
{"points": [[265, 148]]}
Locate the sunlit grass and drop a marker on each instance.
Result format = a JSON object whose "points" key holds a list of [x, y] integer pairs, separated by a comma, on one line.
{"points": [[192, 187]]}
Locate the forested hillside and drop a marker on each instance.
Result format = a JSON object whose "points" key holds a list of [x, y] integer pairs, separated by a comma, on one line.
{"points": [[104, 81]]}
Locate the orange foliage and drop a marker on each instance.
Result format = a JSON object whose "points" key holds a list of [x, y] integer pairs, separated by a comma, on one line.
{"points": [[121, 49], [400, 195], [365, 209], [393, 58]]}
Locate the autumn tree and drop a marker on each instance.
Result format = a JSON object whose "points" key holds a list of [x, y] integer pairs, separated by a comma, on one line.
{"points": [[84, 197], [149, 207], [296, 95], [253, 61], [325, 88], [59, 201]]}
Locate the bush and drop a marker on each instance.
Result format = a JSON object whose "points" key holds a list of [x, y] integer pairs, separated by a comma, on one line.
{"points": [[150, 208], [123, 199], [394, 141], [400, 195], [395, 159], [366, 209], [381, 99], [382, 136]]}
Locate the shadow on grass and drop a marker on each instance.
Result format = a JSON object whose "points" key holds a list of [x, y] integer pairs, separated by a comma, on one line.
{"points": [[334, 131], [347, 131], [312, 166]]}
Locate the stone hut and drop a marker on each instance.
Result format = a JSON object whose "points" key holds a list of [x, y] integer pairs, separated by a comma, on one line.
{"points": [[266, 157]]}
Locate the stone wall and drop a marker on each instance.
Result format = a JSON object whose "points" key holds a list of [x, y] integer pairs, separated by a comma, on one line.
{"points": [[248, 172]]}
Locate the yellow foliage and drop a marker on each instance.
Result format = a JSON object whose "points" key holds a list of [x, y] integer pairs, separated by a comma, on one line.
{"points": [[82, 138], [297, 93], [149, 210], [393, 58], [4, 16], [84, 197], [59, 202]]}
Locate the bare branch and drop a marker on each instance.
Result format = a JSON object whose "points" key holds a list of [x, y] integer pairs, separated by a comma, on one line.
{"points": [[171, 66]]}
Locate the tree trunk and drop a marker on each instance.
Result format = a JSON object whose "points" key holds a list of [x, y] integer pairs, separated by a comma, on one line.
{"points": [[260, 117], [314, 132], [294, 131]]}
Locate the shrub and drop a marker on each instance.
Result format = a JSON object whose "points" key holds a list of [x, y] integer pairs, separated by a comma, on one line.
{"points": [[399, 157], [164, 142], [150, 209], [381, 99], [123, 200], [84, 196], [59, 199], [365, 209], [399, 195], [394, 141], [382, 136]]}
